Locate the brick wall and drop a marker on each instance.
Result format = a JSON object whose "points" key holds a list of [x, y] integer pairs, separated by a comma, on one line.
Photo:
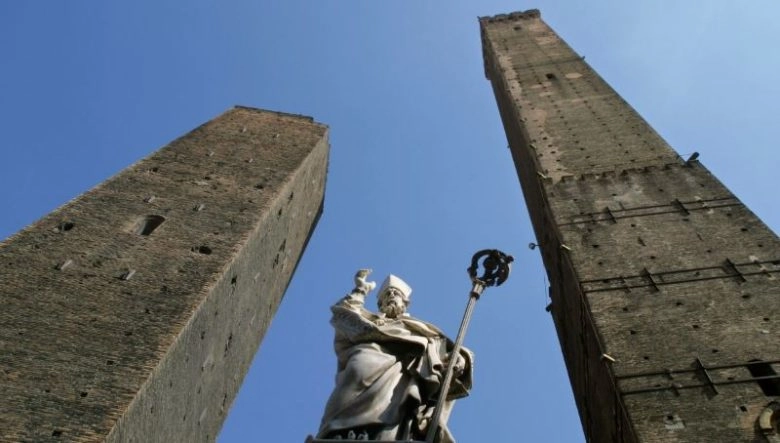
{"points": [[116, 328], [663, 284]]}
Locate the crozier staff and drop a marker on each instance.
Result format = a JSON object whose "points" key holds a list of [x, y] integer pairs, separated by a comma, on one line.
{"points": [[390, 368]]}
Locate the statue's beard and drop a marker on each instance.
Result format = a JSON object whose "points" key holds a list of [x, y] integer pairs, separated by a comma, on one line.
{"points": [[393, 309]]}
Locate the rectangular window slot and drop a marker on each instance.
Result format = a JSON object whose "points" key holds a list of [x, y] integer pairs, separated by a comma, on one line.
{"points": [[148, 224], [766, 377]]}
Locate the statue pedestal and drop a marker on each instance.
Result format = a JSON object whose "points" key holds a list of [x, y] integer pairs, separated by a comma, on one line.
{"points": [[311, 439]]}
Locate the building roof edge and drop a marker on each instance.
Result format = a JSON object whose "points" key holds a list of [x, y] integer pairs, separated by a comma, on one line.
{"points": [[279, 113], [517, 15]]}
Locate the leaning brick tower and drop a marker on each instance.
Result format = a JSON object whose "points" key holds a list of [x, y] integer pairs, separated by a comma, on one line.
{"points": [[664, 286], [132, 312]]}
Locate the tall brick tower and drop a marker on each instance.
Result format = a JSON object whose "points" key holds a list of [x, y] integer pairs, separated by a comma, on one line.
{"points": [[664, 285], [132, 312]]}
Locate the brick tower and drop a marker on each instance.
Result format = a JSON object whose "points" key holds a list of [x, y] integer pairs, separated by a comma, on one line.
{"points": [[664, 285], [132, 312]]}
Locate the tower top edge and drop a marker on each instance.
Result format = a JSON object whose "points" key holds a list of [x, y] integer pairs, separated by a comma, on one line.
{"points": [[511, 16], [280, 113]]}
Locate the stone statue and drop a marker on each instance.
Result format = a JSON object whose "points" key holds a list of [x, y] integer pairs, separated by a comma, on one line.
{"points": [[390, 368]]}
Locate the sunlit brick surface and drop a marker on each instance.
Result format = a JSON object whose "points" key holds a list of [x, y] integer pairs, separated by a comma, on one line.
{"points": [[664, 285], [132, 312]]}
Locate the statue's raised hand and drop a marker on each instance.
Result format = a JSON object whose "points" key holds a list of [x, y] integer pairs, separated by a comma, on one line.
{"points": [[361, 285]]}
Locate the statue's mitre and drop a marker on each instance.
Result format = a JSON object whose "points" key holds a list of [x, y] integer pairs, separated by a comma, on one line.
{"points": [[393, 281]]}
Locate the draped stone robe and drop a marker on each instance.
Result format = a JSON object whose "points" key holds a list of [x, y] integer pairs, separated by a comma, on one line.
{"points": [[389, 374]]}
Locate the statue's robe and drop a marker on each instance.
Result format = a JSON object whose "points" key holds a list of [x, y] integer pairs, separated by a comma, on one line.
{"points": [[387, 369]]}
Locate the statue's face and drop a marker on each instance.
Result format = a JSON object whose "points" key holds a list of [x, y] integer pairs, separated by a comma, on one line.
{"points": [[392, 303]]}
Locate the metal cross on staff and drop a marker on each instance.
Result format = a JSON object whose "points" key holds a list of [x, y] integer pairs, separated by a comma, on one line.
{"points": [[496, 266]]}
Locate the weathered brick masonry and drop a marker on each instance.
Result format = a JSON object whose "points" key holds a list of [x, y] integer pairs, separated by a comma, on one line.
{"points": [[132, 312], [664, 285]]}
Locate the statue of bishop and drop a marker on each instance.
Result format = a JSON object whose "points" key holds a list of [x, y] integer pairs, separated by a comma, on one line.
{"points": [[390, 369]]}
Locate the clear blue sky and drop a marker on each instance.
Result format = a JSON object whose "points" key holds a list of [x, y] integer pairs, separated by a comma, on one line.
{"points": [[420, 176]]}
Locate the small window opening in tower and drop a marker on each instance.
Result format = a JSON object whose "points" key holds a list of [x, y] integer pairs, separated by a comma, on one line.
{"points": [[203, 249], [550, 76], [64, 226], [148, 224], [770, 386]]}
